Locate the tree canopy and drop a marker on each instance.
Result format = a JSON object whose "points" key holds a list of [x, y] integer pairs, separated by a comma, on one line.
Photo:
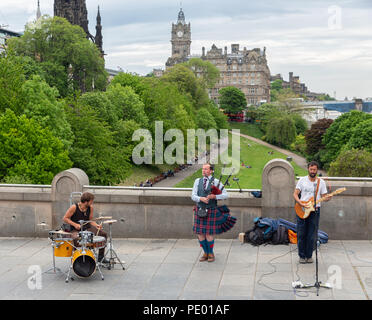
{"points": [[70, 61], [232, 100]]}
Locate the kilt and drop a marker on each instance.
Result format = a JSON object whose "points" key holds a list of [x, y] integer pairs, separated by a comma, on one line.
{"points": [[217, 221]]}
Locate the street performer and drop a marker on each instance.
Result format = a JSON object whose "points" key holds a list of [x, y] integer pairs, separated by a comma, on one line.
{"points": [[83, 210], [307, 229], [209, 219]]}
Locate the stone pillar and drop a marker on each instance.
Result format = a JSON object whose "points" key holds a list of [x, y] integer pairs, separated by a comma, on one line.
{"points": [[63, 184], [278, 183]]}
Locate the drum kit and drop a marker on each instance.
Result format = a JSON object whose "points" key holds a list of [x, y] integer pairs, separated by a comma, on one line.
{"points": [[84, 256]]}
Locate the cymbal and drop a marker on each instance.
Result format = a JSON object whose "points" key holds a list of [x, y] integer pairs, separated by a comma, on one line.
{"points": [[109, 221], [102, 218], [59, 232]]}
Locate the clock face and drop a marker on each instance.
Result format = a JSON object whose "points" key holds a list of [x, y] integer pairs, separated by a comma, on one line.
{"points": [[179, 34]]}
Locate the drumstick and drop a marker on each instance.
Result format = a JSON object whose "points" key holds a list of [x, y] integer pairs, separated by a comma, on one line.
{"points": [[98, 229]]}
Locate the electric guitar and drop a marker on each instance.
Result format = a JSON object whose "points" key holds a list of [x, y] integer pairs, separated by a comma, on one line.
{"points": [[304, 212]]}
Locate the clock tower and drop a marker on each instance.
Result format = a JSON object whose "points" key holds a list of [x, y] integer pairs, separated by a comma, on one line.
{"points": [[181, 41]]}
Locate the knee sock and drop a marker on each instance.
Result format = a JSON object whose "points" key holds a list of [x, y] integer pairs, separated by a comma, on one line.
{"points": [[203, 244], [210, 245]]}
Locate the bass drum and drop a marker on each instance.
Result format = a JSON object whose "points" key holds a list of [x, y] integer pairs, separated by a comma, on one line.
{"points": [[83, 263]]}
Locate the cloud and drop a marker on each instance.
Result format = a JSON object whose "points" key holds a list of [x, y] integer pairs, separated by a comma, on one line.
{"points": [[297, 34]]}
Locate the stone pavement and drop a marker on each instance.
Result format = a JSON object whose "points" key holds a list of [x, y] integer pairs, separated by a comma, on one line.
{"points": [[169, 269]]}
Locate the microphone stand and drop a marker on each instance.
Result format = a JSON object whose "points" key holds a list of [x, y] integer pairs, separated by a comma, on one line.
{"points": [[317, 283]]}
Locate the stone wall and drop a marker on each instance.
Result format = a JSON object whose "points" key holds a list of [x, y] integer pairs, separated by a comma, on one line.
{"points": [[31, 211]]}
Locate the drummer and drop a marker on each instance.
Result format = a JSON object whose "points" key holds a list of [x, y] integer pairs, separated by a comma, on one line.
{"points": [[83, 210]]}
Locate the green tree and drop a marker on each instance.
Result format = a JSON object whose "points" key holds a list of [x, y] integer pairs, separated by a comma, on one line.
{"points": [[29, 153], [42, 105], [188, 84], [281, 131], [73, 62], [314, 139], [232, 100], [219, 117], [129, 80], [208, 72], [95, 150], [205, 120], [11, 80], [339, 133], [300, 123], [127, 104], [352, 163], [361, 137]]}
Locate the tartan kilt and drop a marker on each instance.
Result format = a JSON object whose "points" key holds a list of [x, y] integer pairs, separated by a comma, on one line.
{"points": [[217, 221]]}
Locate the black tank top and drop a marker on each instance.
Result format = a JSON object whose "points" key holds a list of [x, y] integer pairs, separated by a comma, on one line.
{"points": [[79, 215]]}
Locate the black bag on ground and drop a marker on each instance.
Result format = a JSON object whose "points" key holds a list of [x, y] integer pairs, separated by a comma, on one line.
{"points": [[280, 236], [261, 232]]}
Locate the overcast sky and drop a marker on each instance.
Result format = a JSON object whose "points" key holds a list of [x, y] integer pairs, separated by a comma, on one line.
{"points": [[328, 44]]}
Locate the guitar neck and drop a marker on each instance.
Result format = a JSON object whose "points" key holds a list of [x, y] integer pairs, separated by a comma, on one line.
{"points": [[331, 194]]}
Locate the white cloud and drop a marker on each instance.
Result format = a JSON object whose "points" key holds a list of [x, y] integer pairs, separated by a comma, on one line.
{"points": [[296, 35]]}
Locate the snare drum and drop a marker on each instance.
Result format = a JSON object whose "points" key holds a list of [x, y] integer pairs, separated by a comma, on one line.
{"points": [[99, 242], [59, 235], [83, 262]]}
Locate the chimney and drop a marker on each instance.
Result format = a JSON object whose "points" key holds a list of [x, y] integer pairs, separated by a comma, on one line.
{"points": [[234, 48]]}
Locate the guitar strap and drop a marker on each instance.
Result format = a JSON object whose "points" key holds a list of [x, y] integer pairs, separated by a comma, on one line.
{"points": [[316, 192]]}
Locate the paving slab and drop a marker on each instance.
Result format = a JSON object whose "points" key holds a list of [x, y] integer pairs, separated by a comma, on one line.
{"points": [[169, 269]]}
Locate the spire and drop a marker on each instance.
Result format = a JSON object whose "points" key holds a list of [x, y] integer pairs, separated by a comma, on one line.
{"points": [[38, 12], [181, 17], [99, 38]]}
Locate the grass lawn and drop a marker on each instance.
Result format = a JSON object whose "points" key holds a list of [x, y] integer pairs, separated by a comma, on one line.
{"points": [[249, 129], [256, 156]]}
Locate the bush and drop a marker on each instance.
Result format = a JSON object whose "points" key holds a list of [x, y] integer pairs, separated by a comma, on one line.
{"points": [[299, 145], [352, 163], [300, 124]]}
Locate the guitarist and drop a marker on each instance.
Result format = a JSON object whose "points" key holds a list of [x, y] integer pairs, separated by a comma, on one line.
{"points": [[307, 229]]}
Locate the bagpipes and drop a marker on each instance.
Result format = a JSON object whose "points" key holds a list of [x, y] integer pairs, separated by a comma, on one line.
{"points": [[216, 190]]}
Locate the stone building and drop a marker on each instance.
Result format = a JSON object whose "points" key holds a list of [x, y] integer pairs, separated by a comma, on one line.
{"points": [[293, 83], [297, 87], [75, 11], [244, 69]]}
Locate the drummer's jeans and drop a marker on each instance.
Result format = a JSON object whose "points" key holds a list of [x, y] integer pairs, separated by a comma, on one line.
{"points": [[306, 234], [101, 233]]}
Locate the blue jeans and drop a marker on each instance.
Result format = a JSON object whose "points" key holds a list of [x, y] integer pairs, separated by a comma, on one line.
{"points": [[306, 234]]}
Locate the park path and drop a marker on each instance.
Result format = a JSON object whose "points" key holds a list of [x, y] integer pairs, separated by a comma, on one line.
{"points": [[181, 175], [300, 161]]}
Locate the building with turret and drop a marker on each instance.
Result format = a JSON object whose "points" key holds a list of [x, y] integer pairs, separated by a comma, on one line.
{"points": [[181, 41], [75, 11], [244, 69]]}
